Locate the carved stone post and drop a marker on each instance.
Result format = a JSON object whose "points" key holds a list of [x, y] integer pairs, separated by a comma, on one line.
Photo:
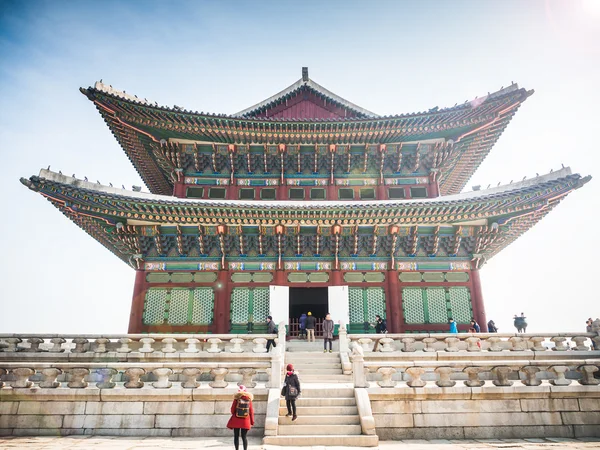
{"points": [[190, 377], [409, 344], [358, 368], [473, 374], [580, 343], [49, 377], [587, 375], [2, 372], [415, 374], [57, 343], [387, 344], [260, 345], [168, 345], [124, 348], [162, 375], [247, 374], [494, 344], [560, 372], [146, 345], [101, 345], [192, 345], [518, 344], [502, 373], [80, 345], [22, 375], [237, 345], [343, 335], [366, 344], [134, 375], [537, 343], [531, 376], [451, 344], [275, 372], [429, 344], [214, 345], [473, 344], [444, 373], [559, 344], [386, 377], [219, 377], [106, 375], [77, 378], [34, 345], [13, 344]]}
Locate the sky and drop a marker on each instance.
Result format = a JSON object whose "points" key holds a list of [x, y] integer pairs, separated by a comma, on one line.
{"points": [[390, 57]]}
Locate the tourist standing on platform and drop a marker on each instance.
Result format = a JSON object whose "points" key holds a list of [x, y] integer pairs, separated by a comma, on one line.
{"points": [[291, 391], [328, 327], [492, 327], [310, 326], [302, 326], [475, 326], [271, 329], [242, 416], [380, 325], [452, 324]]}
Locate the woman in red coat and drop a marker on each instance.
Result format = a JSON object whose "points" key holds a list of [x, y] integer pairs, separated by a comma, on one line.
{"points": [[242, 416]]}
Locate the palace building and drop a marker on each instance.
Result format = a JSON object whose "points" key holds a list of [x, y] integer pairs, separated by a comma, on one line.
{"points": [[305, 202]]}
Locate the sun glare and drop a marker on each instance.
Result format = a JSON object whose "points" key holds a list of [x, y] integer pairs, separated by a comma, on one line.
{"points": [[591, 7]]}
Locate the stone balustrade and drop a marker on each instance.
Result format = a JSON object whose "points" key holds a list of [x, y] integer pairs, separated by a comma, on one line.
{"points": [[130, 375], [145, 344], [501, 373], [474, 342]]}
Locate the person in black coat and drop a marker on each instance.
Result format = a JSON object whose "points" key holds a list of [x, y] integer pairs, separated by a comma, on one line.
{"points": [[291, 380]]}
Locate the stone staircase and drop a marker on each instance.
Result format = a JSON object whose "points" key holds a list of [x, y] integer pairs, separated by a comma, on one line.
{"points": [[327, 411]]}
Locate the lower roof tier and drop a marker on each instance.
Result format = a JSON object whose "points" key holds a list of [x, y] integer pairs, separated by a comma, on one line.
{"points": [[141, 228]]}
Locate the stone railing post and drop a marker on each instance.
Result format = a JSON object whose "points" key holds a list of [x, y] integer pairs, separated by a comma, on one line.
{"points": [[22, 375], [275, 380], [387, 344], [247, 375], [219, 377], [214, 345], [502, 373], [429, 344], [192, 345], [560, 372], [473, 374], [343, 335], [77, 377], [473, 344], [531, 376], [587, 375], [494, 344], [146, 345], [168, 345], [518, 344], [415, 376], [559, 344], [386, 377], [134, 375], [260, 345], [363, 403], [537, 343], [162, 375], [190, 378], [101, 345], [358, 368], [236, 345], [34, 345], [80, 345], [579, 342], [49, 377], [13, 344], [124, 348], [57, 343], [2, 372], [366, 344], [409, 344], [452, 344], [444, 373], [106, 375]]}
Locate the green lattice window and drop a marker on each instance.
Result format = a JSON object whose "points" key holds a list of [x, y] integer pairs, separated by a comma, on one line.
{"points": [[249, 308], [179, 306], [436, 305], [364, 304]]}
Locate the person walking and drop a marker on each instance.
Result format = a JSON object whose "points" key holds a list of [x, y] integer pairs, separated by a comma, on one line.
{"points": [[302, 326], [242, 416], [453, 328], [380, 325], [474, 326], [492, 327], [291, 390], [328, 327], [310, 326], [271, 329]]}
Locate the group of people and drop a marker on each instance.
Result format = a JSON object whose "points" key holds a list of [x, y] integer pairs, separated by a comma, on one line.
{"points": [[307, 324], [473, 326]]}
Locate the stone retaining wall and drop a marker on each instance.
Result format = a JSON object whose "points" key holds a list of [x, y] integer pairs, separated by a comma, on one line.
{"points": [[122, 412], [486, 413]]}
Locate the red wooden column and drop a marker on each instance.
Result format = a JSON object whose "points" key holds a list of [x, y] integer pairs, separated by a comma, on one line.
{"points": [[336, 278], [393, 301], [434, 185], [137, 302], [222, 299], [179, 189], [477, 300]]}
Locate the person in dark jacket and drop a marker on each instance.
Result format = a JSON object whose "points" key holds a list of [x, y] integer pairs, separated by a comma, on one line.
{"points": [[328, 327], [474, 326], [241, 425], [310, 326], [492, 328], [291, 380], [302, 326], [271, 329], [380, 325]]}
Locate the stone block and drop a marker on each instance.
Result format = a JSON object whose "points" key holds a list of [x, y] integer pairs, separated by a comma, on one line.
{"points": [[581, 418], [179, 408], [225, 407], [47, 432], [589, 404], [395, 407], [49, 395], [487, 419], [582, 431], [119, 421], [8, 408], [31, 421], [73, 421], [516, 391], [393, 420], [93, 408], [397, 434], [192, 421], [518, 432], [472, 406], [221, 432], [147, 393], [124, 432], [574, 391], [549, 404], [51, 408]]}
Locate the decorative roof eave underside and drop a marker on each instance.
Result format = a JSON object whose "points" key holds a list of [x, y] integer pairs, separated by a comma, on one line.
{"points": [[139, 127], [500, 215]]}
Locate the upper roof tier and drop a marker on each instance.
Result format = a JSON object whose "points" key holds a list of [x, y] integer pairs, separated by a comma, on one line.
{"points": [[305, 114], [462, 227]]}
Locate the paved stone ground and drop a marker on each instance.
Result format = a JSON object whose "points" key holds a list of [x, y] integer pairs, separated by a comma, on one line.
{"points": [[136, 443]]}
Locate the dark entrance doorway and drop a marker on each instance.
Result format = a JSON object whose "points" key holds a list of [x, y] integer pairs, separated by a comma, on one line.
{"points": [[303, 300]]}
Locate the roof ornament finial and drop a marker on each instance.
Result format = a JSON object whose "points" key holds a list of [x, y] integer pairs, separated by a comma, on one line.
{"points": [[305, 74]]}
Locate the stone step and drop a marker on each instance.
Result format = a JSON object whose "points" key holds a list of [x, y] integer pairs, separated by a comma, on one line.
{"points": [[320, 420], [299, 430], [328, 392], [326, 440], [313, 358], [316, 365], [303, 371], [321, 410], [325, 378], [328, 401]]}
